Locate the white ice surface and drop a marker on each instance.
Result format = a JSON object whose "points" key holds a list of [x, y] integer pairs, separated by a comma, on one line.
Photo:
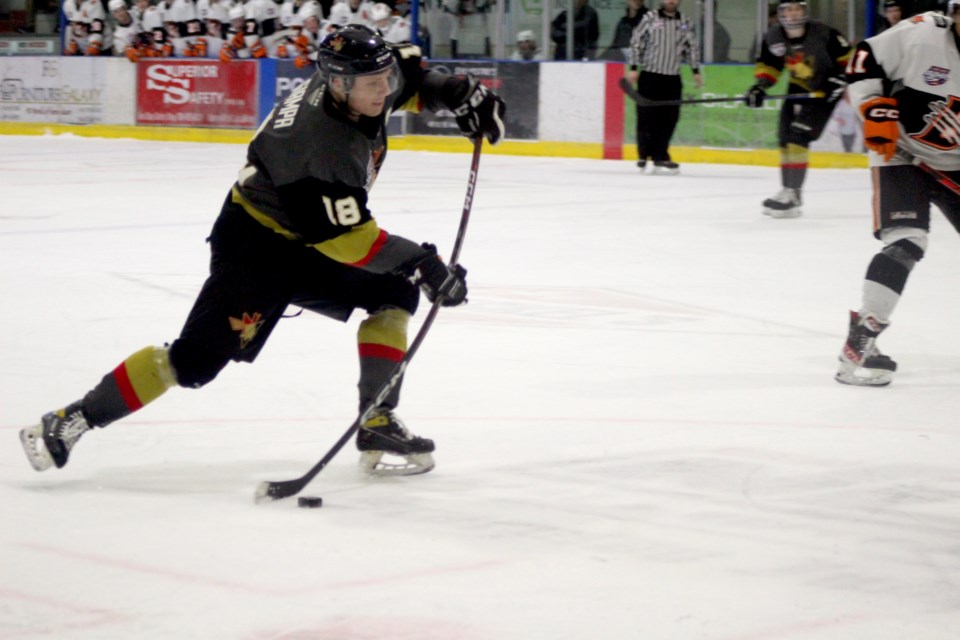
{"points": [[639, 435]]}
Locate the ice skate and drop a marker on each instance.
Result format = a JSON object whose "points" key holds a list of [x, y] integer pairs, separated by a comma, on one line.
{"points": [[50, 442], [785, 204], [861, 363], [666, 168], [384, 434]]}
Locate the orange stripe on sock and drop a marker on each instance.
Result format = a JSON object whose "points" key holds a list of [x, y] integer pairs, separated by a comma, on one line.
{"points": [[122, 379], [369, 350]]}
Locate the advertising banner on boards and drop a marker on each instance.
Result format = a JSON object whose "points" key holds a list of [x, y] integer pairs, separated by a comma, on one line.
{"points": [[197, 93]]}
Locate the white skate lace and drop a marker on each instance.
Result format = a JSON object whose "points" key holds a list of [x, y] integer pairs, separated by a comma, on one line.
{"points": [[72, 428]]}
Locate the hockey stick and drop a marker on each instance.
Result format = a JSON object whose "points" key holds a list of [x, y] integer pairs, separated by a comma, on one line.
{"points": [[266, 490], [938, 175], [644, 102]]}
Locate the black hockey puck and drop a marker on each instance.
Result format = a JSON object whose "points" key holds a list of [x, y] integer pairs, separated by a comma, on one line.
{"points": [[310, 502]]}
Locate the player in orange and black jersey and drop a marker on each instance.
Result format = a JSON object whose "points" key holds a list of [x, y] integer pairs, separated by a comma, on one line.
{"points": [[296, 229], [815, 56]]}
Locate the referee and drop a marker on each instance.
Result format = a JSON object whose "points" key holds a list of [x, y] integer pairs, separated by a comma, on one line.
{"points": [[660, 42]]}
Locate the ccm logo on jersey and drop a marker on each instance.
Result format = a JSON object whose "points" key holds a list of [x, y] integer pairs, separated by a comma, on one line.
{"points": [[882, 113]]}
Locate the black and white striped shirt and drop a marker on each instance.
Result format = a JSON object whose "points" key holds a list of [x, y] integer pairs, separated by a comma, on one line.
{"points": [[660, 43]]}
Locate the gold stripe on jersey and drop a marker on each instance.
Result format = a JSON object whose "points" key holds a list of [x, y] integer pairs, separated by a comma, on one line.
{"points": [[261, 217], [413, 105], [766, 70], [353, 246]]}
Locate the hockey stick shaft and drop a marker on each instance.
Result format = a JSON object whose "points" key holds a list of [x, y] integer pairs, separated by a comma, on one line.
{"points": [[938, 175], [644, 102], [267, 490]]}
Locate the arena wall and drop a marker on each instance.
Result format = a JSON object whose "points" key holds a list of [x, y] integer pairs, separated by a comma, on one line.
{"points": [[565, 109]]}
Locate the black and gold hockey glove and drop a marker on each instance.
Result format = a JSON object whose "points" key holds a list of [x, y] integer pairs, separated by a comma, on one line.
{"points": [[480, 112], [755, 95], [435, 279]]}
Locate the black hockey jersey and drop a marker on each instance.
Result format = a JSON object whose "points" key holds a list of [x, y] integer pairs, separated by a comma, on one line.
{"points": [[918, 63], [309, 168], [812, 59]]}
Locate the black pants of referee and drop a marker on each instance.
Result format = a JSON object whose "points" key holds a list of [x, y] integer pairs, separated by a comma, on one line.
{"points": [[655, 125]]}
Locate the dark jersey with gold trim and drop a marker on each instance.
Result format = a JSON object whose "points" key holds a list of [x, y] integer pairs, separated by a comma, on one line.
{"points": [[310, 167], [812, 59], [918, 63]]}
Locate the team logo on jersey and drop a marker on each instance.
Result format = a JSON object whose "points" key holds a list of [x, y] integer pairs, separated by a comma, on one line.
{"points": [[247, 327], [943, 125], [799, 66], [936, 76], [779, 49]]}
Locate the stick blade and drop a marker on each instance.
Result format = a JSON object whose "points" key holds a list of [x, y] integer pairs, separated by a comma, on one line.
{"points": [[271, 491]]}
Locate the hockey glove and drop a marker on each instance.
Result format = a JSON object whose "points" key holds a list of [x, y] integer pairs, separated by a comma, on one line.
{"points": [[480, 113], [880, 130], [754, 96], [435, 279]]}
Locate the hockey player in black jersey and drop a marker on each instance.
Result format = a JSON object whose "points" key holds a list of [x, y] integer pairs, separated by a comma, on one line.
{"points": [[815, 56], [904, 85], [295, 229]]}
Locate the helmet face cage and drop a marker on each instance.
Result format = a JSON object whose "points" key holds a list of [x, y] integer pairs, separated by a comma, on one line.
{"points": [[353, 51], [791, 23]]}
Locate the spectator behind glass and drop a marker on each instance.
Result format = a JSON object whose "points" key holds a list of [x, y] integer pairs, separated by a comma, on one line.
{"points": [[617, 51], [721, 42], [586, 32], [527, 47], [772, 21], [469, 29]]}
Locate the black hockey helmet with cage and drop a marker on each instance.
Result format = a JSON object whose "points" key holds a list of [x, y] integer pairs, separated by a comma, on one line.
{"points": [[353, 50]]}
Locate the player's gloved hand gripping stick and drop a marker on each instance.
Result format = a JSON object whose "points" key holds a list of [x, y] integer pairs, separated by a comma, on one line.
{"points": [[439, 285]]}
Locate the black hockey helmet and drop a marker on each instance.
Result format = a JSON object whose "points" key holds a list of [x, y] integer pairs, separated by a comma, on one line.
{"points": [[353, 50]]}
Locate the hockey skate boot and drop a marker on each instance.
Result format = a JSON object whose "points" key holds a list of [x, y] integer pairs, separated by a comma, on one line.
{"points": [[785, 204], [861, 363], [384, 434], [50, 442], [666, 168]]}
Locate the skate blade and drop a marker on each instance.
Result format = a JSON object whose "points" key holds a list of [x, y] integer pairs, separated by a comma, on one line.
{"points": [[372, 463], [782, 213], [661, 171], [37, 455], [860, 377]]}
